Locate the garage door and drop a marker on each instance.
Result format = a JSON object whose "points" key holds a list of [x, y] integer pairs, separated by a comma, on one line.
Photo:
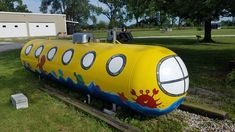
{"points": [[8, 30], [42, 29]]}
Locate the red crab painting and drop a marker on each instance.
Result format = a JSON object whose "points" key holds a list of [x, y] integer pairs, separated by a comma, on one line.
{"points": [[144, 99]]}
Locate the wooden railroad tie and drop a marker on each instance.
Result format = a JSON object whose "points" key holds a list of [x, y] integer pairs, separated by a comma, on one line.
{"points": [[204, 111], [112, 121], [90, 110]]}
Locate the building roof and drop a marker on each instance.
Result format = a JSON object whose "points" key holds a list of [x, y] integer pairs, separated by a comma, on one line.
{"points": [[74, 22], [24, 13]]}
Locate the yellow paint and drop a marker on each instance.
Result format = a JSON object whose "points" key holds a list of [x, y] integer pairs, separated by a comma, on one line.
{"points": [[138, 74]]}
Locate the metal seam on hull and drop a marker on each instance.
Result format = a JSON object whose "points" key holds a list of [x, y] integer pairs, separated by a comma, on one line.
{"points": [[172, 81], [182, 72]]}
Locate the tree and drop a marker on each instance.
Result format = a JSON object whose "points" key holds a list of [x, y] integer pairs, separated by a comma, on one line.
{"points": [[231, 7], [75, 10], [114, 12], [101, 25], [198, 10], [152, 14], [158, 14], [137, 9], [13, 6]]}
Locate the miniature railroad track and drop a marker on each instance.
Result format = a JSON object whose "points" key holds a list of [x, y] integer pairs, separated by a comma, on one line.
{"points": [[112, 121], [90, 110], [204, 111]]}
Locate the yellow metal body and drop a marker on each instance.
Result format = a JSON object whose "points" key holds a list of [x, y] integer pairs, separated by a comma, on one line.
{"points": [[138, 77]]}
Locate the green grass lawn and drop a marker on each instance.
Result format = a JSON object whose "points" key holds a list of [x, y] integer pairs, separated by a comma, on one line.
{"points": [[157, 32], [183, 32], [44, 113], [25, 39], [208, 69], [140, 33]]}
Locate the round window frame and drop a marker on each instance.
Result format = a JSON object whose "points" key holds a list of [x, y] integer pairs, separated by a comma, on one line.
{"points": [[93, 61], [40, 52], [56, 48], [171, 81], [29, 50], [123, 65], [70, 58]]}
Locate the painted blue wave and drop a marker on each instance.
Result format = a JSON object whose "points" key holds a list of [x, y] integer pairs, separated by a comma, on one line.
{"points": [[94, 90]]}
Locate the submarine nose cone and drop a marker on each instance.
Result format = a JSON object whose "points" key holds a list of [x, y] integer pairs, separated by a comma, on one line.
{"points": [[173, 76]]}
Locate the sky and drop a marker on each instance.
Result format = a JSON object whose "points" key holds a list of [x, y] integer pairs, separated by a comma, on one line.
{"points": [[33, 5]]}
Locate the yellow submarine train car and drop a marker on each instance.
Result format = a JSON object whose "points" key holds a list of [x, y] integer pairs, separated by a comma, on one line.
{"points": [[149, 79]]}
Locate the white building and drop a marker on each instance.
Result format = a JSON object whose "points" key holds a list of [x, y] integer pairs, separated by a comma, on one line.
{"points": [[14, 24]]}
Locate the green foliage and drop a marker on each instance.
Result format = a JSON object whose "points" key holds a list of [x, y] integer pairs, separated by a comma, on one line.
{"points": [[199, 11], [137, 9], [199, 28], [13, 6], [227, 23], [57, 6], [75, 10], [231, 7], [114, 12], [231, 79], [101, 25]]}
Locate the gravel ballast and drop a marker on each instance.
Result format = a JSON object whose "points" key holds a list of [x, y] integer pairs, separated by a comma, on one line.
{"points": [[201, 123]]}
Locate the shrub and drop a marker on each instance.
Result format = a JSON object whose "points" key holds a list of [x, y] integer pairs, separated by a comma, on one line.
{"points": [[231, 79]]}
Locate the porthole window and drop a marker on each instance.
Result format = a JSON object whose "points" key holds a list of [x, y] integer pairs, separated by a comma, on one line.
{"points": [[67, 56], [172, 76], [116, 64], [39, 51], [88, 59], [28, 49], [51, 53]]}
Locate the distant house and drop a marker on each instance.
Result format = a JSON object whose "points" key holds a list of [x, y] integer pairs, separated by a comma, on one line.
{"points": [[215, 25], [14, 24], [233, 19], [71, 26]]}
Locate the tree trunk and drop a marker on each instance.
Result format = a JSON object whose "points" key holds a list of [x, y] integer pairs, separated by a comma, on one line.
{"points": [[207, 32], [137, 21], [180, 23], [111, 22]]}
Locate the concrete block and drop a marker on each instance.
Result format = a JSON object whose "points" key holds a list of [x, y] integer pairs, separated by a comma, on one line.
{"points": [[19, 101]]}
